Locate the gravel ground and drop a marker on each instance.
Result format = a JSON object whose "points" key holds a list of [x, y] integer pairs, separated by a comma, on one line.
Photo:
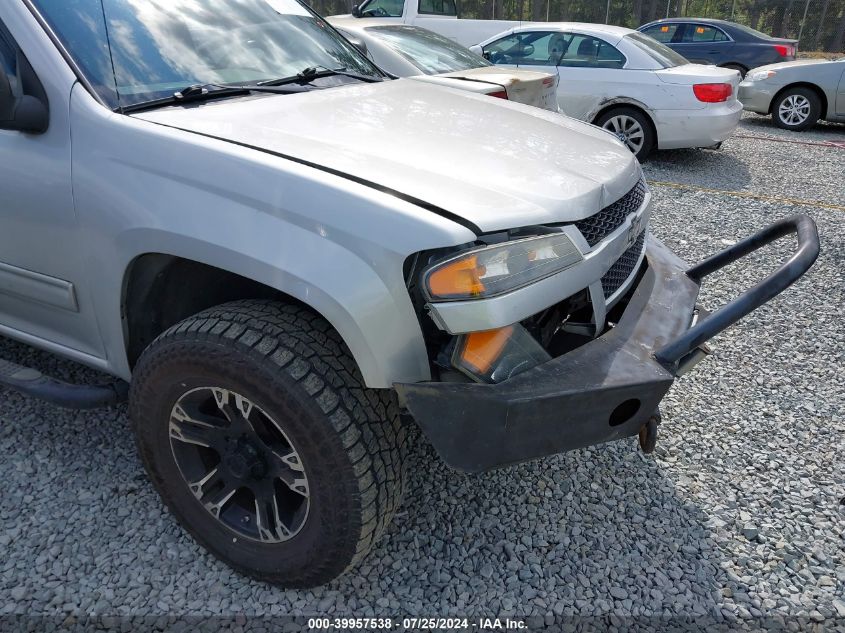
{"points": [[740, 513]]}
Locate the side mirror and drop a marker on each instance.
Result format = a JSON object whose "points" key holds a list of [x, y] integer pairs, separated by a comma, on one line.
{"points": [[23, 114], [475, 48], [356, 11]]}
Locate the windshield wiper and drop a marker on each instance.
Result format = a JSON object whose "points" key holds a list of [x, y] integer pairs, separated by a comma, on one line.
{"points": [[206, 92], [316, 72]]}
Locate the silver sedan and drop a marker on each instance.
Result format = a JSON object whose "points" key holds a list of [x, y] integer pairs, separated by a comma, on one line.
{"points": [[797, 93]]}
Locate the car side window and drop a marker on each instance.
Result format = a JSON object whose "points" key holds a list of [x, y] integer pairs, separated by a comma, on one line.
{"points": [[534, 48], [663, 33], [695, 33], [585, 51], [383, 9], [438, 7], [9, 60]]}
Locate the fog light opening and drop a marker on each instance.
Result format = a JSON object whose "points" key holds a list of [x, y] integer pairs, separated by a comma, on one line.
{"points": [[624, 412]]}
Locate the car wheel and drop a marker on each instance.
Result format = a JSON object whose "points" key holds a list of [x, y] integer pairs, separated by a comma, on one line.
{"points": [[254, 424], [630, 126], [742, 70], [796, 109]]}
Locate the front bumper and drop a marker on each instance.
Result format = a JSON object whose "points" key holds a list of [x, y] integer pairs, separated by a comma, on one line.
{"points": [[756, 96], [606, 389]]}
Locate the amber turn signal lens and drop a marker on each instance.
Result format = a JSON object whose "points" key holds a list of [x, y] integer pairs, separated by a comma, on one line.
{"points": [[482, 349], [461, 277], [493, 356]]}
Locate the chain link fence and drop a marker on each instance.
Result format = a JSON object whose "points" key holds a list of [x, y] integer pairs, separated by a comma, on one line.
{"points": [[819, 25]]}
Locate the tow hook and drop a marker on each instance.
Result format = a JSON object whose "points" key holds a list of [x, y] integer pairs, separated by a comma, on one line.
{"points": [[648, 433]]}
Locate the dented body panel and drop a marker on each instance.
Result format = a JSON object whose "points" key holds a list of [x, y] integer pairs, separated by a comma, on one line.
{"points": [[410, 51], [522, 86]]}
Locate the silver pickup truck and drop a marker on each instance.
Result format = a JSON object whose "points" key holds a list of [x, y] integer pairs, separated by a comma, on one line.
{"points": [[285, 258]]}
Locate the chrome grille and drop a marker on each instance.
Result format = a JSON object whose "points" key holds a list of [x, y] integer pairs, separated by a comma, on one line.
{"points": [[623, 267], [599, 226]]}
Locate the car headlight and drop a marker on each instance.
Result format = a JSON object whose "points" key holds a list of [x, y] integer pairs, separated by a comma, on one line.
{"points": [[492, 270], [761, 75]]}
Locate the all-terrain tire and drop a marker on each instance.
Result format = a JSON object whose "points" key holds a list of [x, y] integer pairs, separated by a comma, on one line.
{"points": [[295, 367]]}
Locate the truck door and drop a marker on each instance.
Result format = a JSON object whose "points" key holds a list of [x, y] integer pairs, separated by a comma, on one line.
{"points": [[43, 298], [380, 9], [440, 16]]}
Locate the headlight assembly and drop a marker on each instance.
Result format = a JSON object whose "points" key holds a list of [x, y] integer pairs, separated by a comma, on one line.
{"points": [[493, 270], [761, 75]]}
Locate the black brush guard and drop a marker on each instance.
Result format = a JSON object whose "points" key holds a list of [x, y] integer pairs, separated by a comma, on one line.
{"points": [[609, 388]]}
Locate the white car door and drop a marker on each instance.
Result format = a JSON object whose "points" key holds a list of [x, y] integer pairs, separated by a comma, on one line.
{"points": [[591, 71]]}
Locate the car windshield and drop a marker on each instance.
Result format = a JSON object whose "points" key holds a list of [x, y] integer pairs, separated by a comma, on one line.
{"points": [[135, 51], [661, 53], [428, 51]]}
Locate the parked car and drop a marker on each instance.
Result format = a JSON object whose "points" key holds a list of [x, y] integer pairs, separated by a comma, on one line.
{"points": [[726, 44], [281, 250], [411, 51], [627, 83], [797, 93], [440, 16]]}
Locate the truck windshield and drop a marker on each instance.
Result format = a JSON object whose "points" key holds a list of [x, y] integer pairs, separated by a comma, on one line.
{"points": [[428, 51], [135, 51]]}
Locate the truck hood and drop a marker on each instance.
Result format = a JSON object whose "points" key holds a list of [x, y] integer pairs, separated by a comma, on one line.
{"points": [[495, 164]]}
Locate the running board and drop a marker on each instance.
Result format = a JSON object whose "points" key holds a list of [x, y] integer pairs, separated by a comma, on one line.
{"points": [[33, 383]]}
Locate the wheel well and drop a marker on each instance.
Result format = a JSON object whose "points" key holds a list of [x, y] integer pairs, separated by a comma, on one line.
{"points": [[161, 290], [619, 106], [734, 65], [802, 84]]}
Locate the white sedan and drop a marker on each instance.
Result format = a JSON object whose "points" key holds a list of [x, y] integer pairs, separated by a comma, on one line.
{"points": [[648, 95], [411, 51]]}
